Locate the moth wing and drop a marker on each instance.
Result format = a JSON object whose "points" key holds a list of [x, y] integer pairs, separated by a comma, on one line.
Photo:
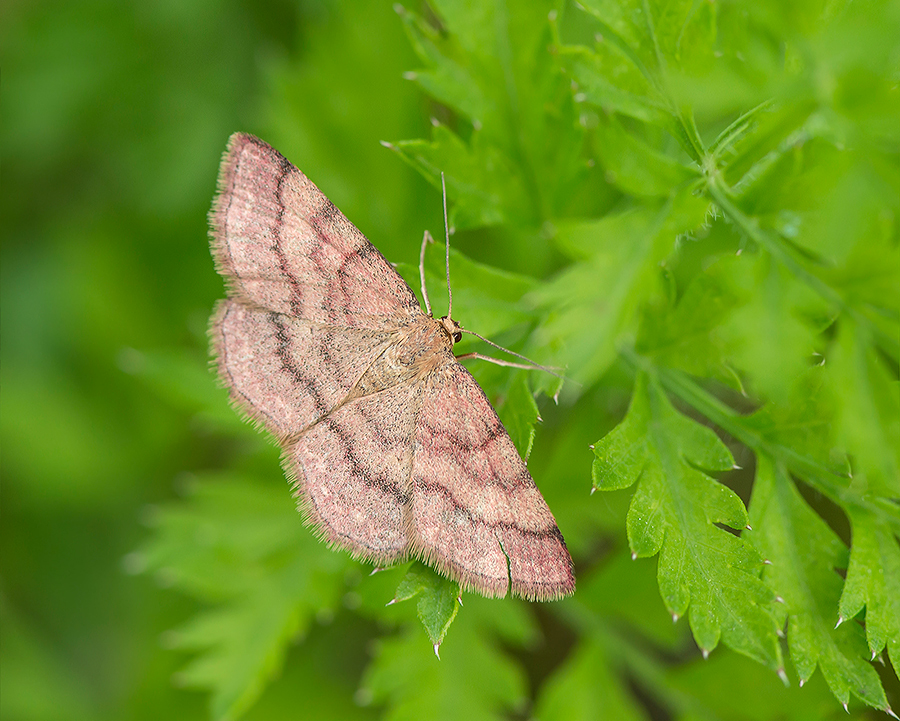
{"points": [[351, 473], [283, 246], [476, 514], [285, 372]]}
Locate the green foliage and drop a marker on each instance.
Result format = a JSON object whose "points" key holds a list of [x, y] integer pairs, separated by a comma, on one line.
{"points": [[239, 546], [690, 207], [873, 581], [803, 552], [674, 513], [439, 600], [474, 679]]}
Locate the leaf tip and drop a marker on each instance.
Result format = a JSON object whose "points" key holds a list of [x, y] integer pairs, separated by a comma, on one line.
{"points": [[593, 490], [890, 712], [779, 599], [634, 557], [748, 527], [675, 618], [436, 653], [766, 562], [459, 598], [802, 681], [410, 75], [591, 446], [783, 676], [839, 621], [387, 145], [846, 706], [375, 570], [391, 602], [705, 652]]}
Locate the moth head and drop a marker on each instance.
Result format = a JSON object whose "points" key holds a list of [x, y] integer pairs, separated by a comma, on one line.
{"points": [[452, 329]]}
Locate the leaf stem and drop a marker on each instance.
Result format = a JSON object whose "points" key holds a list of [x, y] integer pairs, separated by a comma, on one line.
{"points": [[733, 132]]}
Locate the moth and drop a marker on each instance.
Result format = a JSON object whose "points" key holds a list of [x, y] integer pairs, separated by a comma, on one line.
{"points": [[393, 449]]}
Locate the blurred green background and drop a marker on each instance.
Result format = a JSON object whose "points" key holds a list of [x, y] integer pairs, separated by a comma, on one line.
{"points": [[115, 116]]}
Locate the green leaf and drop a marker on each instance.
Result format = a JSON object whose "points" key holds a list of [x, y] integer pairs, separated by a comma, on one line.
{"points": [[242, 646], [439, 600], [801, 425], [638, 48], [448, 77], [679, 33], [473, 680], [592, 304], [674, 512], [868, 419], [803, 552], [482, 182], [519, 414], [873, 581], [744, 314], [317, 676], [605, 76], [747, 159], [683, 334], [869, 274], [244, 547], [766, 335], [522, 161], [635, 166]]}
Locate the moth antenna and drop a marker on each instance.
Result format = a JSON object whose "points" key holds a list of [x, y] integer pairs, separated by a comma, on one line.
{"points": [[447, 246], [426, 239], [505, 364], [538, 366]]}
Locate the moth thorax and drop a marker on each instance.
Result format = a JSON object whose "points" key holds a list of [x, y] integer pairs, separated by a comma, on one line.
{"points": [[452, 329]]}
